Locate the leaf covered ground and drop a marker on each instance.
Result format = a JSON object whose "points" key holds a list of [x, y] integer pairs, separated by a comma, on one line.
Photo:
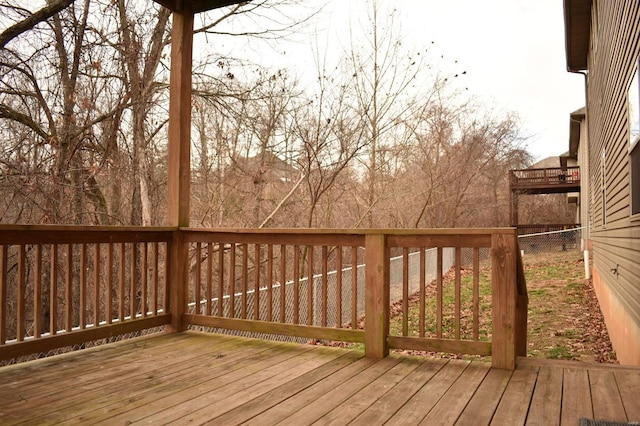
{"points": [[565, 321]]}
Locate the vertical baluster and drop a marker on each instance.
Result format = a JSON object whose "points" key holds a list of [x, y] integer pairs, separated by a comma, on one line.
{"points": [[209, 277], [354, 287], [339, 287], [69, 289], [245, 276], [232, 281], [198, 279], [83, 285], [109, 309], [423, 284], [154, 297], [310, 285], [296, 284], [476, 293], [121, 281], [37, 293], [221, 279], [53, 291], [439, 293], [3, 294], [283, 282], [256, 284], [405, 291], [133, 294], [20, 326], [165, 286], [269, 282], [96, 285], [457, 295], [325, 295], [144, 270]]}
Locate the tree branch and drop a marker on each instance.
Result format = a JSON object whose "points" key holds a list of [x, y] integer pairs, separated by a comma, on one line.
{"points": [[11, 114], [26, 24]]}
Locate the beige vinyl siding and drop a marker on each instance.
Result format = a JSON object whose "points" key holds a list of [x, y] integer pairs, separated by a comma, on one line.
{"points": [[585, 181], [611, 66]]}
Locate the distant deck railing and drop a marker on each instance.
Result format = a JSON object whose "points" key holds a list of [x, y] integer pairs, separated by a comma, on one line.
{"points": [[540, 177], [62, 286]]}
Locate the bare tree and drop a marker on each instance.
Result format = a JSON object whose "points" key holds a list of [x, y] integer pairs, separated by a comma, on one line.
{"points": [[382, 73]]}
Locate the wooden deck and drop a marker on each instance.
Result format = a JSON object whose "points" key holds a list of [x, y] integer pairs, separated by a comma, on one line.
{"points": [[194, 378]]}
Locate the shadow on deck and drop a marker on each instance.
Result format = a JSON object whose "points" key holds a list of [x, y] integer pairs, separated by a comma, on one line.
{"points": [[198, 378]]}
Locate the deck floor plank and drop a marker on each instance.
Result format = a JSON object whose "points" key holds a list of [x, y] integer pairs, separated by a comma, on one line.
{"points": [[428, 396], [255, 390], [94, 376], [363, 399], [453, 402], [181, 399], [385, 407], [309, 414], [607, 403], [629, 387], [576, 396], [29, 375], [74, 398], [480, 409], [547, 399], [514, 405], [199, 378], [279, 412], [264, 402]]}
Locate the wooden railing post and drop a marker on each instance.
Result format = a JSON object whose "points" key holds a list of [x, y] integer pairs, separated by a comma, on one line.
{"points": [[522, 307], [177, 280], [504, 297], [376, 311]]}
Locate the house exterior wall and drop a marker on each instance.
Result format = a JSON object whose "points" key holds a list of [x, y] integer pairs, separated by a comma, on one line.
{"points": [[584, 217], [615, 232]]}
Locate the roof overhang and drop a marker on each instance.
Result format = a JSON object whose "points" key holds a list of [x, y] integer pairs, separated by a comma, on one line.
{"points": [[577, 26], [196, 6]]}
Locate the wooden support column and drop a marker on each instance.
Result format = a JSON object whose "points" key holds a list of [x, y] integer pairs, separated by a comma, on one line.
{"points": [[179, 159], [376, 310], [504, 297], [179, 167], [178, 276]]}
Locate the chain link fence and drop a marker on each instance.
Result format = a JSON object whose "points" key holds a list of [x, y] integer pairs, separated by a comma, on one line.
{"points": [[311, 308], [553, 241]]}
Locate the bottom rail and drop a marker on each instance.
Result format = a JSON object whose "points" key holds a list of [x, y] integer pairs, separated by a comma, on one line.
{"points": [[440, 345], [61, 340], [307, 331]]}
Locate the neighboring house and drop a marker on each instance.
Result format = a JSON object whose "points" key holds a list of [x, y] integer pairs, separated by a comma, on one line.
{"points": [[603, 43]]}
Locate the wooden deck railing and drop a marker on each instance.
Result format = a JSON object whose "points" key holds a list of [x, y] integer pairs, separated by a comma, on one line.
{"points": [[282, 282], [62, 286], [524, 178], [65, 286]]}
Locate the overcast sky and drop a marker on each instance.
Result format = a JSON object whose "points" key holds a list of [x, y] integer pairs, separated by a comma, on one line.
{"points": [[512, 50]]}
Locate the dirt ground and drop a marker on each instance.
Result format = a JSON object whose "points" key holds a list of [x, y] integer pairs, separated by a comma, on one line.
{"points": [[565, 321]]}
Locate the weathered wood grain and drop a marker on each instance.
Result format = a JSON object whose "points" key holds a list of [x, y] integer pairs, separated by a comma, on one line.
{"points": [[201, 378]]}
